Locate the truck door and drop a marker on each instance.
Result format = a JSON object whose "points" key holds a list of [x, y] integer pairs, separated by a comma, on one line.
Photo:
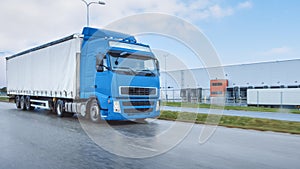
{"points": [[103, 79]]}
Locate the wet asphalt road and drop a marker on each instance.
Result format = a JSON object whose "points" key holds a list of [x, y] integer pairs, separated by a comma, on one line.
{"points": [[38, 139]]}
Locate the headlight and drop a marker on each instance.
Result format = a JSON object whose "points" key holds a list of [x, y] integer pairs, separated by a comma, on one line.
{"points": [[117, 107], [157, 105]]}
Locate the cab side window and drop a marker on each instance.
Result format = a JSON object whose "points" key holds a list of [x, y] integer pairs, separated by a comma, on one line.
{"points": [[101, 64], [104, 63]]}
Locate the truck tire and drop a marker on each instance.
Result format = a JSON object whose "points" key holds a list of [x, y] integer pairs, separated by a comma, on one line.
{"points": [[18, 102], [83, 113], [59, 108], [22, 103], [27, 103], [93, 110]]}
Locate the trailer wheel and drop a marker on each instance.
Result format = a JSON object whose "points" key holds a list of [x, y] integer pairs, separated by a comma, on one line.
{"points": [[59, 108], [22, 103], [18, 102], [27, 103], [94, 110]]}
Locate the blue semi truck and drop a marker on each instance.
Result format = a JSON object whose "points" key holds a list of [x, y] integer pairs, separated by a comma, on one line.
{"points": [[98, 74]]}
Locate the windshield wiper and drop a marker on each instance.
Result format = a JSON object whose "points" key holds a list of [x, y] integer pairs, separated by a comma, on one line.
{"points": [[108, 68], [147, 70], [127, 68]]}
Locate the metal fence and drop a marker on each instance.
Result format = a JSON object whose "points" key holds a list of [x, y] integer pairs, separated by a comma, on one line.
{"points": [[196, 95], [185, 95]]}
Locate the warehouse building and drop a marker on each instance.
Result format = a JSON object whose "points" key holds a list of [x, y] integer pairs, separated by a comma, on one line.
{"points": [[203, 83]]}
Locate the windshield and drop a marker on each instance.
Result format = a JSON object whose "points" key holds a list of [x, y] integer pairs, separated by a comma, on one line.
{"points": [[133, 63]]}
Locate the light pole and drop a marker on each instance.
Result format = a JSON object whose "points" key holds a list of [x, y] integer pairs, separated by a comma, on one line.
{"points": [[166, 88], [88, 9]]}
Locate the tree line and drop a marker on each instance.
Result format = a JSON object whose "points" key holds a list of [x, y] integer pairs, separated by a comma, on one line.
{"points": [[4, 89]]}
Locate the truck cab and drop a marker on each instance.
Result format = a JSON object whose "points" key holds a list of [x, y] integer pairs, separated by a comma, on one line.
{"points": [[118, 76]]}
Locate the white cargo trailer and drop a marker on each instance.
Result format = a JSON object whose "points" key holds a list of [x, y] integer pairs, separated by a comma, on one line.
{"points": [[273, 97], [53, 75]]}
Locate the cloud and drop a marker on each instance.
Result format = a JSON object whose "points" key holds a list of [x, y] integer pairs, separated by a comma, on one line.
{"points": [[245, 5], [34, 22], [191, 10], [218, 12], [277, 51]]}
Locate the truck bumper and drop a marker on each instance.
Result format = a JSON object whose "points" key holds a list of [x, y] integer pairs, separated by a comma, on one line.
{"points": [[132, 109]]}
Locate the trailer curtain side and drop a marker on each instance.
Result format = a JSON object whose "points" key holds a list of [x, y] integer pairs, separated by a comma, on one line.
{"points": [[49, 71]]}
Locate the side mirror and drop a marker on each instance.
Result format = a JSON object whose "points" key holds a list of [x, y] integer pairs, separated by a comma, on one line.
{"points": [[100, 68], [157, 64]]}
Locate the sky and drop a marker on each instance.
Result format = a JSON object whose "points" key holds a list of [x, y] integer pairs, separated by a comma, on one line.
{"points": [[241, 31]]}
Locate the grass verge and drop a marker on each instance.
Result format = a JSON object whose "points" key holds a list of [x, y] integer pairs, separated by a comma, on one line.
{"points": [[208, 106], [4, 99], [234, 122]]}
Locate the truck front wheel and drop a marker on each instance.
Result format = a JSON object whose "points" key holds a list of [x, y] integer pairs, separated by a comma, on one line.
{"points": [[94, 110]]}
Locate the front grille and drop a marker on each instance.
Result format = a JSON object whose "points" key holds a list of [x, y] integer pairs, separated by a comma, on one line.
{"points": [[138, 103], [132, 112], [138, 91]]}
